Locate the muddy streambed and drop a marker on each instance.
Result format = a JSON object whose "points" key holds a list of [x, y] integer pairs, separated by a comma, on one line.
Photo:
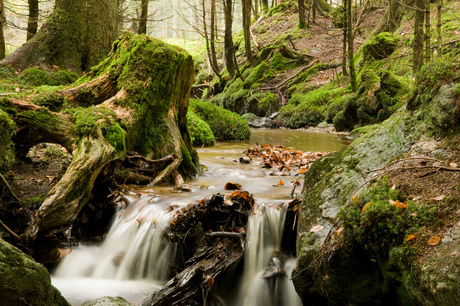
{"points": [[133, 261]]}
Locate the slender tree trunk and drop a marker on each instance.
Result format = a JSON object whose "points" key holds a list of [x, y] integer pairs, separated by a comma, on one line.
{"points": [[351, 60], [439, 28], [77, 36], [427, 32], [214, 67], [418, 35], [228, 38], [2, 23], [255, 9], [264, 6], [246, 27], [213, 34], [143, 19], [32, 23], [313, 10], [344, 40], [302, 22]]}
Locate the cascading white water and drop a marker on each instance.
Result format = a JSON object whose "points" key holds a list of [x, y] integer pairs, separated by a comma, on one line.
{"points": [[265, 231], [133, 261]]}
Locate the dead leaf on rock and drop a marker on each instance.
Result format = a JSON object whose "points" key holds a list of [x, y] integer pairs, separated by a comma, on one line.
{"points": [[317, 228], [439, 198]]}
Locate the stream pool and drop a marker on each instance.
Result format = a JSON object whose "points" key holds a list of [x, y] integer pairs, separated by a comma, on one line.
{"points": [[89, 272]]}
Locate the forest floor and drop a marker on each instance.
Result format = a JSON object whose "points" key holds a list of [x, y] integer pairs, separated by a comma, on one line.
{"points": [[321, 40]]}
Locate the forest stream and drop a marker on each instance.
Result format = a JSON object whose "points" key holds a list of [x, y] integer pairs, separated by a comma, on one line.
{"points": [[134, 261]]}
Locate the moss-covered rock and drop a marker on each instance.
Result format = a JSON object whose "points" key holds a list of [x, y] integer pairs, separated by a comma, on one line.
{"points": [[224, 124], [380, 46], [6, 145], [200, 131], [358, 256], [108, 301], [23, 281]]}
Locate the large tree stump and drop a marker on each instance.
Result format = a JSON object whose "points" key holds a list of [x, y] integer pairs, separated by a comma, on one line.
{"points": [[135, 100]]}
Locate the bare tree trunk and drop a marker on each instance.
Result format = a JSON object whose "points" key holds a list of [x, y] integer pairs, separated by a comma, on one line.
{"points": [[351, 60], [427, 32], [246, 27], [264, 6], [313, 9], [143, 19], [228, 38], [32, 23], [302, 21], [213, 34], [344, 40], [439, 28], [212, 62], [418, 35], [2, 23]]}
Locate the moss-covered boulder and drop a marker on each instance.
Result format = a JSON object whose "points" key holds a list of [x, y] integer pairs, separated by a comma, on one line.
{"points": [[380, 46], [108, 301], [225, 125], [6, 145], [23, 281], [200, 131], [354, 244]]}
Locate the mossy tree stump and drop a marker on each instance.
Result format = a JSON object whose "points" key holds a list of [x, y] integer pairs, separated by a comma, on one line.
{"points": [[135, 100]]}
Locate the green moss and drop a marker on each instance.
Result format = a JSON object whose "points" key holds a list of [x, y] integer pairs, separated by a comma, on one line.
{"points": [[380, 46], [278, 62], [225, 124], [6, 145], [52, 100], [200, 131], [37, 77], [116, 136], [256, 74], [88, 119]]}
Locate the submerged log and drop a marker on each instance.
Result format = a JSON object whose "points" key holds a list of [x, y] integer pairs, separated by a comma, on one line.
{"points": [[135, 100]]}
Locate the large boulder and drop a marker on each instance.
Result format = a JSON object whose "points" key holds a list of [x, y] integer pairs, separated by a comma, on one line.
{"points": [[339, 264], [24, 281]]}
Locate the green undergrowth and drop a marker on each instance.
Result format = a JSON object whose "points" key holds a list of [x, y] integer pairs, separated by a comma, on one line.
{"points": [[378, 221], [225, 125]]}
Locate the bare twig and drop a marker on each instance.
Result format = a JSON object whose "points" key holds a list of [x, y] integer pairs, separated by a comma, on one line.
{"points": [[10, 231], [5, 183]]}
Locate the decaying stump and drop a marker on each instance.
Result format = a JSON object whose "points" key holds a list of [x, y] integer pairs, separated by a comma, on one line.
{"points": [[211, 241], [135, 100]]}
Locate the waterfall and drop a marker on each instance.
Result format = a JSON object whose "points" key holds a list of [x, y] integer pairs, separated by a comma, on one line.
{"points": [[135, 251], [266, 276]]}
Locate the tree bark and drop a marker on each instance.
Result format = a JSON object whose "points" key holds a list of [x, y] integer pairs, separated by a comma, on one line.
{"points": [[32, 23], [2, 23], [140, 103], [247, 27], [427, 32], [418, 36], [264, 6], [143, 19], [302, 21], [228, 38], [344, 40], [351, 58], [439, 28], [78, 34]]}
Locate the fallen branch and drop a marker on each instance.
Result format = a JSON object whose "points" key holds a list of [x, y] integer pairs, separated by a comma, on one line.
{"points": [[10, 231], [276, 87], [226, 235], [7, 186]]}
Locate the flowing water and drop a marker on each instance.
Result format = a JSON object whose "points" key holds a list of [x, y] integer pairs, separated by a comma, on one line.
{"points": [[133, 261]]}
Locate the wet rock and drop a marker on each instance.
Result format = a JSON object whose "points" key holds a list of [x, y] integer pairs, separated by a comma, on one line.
{"points": [[258, 122], [108, 301], [244, 160], [24, 281]]}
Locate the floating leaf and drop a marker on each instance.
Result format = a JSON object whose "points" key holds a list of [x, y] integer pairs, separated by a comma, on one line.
{"points": [[410, 237], [434, 240], [303, 170], [317, 228], [281, 183], [338, 232], [399, 204]]}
